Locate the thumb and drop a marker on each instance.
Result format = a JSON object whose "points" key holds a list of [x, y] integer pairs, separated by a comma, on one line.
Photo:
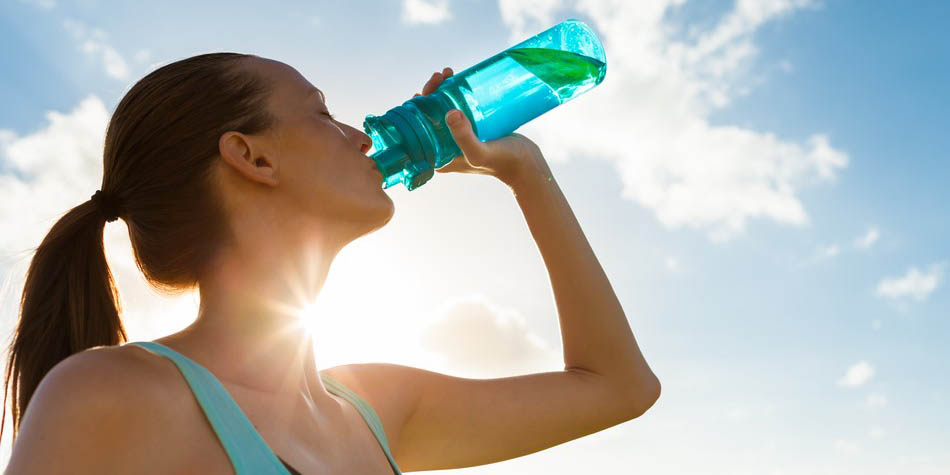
{"points": [[464, 136]]}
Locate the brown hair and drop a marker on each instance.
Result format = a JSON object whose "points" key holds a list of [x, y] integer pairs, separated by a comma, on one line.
{"points": [[158, 164]]}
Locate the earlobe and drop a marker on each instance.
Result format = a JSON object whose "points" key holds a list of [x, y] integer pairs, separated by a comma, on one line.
{"points": [[247, 156]]}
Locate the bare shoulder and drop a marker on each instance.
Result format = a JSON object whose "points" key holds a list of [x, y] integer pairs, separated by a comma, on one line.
{"points": [[84, 408], [123, 376], [119, 376]]}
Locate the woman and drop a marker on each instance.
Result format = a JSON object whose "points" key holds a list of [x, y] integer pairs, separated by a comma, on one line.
{"points": [[232, 175]]}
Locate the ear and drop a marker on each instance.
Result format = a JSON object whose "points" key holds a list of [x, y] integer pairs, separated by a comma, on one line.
{"points": [[246, 155]]}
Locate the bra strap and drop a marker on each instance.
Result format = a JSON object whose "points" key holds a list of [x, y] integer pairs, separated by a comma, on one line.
{"points": [[366, 410], [248, 451]]}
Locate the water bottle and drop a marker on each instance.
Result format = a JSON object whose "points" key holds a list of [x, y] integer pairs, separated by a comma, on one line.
{"points": [[498, 95]]}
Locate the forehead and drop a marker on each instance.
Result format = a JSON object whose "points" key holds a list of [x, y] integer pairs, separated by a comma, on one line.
{"points": [[286, 80]]}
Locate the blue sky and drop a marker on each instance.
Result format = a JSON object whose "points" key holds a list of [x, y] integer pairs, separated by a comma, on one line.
{"points": [[763, 182]]}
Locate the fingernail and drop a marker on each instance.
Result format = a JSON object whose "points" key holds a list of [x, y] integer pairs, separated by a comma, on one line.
{"points": [[454, 117]]}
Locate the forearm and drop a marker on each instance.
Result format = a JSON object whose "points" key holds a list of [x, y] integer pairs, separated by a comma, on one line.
{"points": [[594, 330]]}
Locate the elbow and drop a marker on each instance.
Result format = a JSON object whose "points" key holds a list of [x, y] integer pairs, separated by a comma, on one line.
{"points": [[643, 395]]}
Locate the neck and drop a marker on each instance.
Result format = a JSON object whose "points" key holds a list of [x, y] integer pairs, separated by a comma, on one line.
{"points": [[248, 330]]}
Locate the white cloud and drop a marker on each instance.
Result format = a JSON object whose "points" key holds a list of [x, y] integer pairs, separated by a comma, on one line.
{"points": [[914, 283], [94, 43], [829, 251], [516, 14], [474, 335], [750, 412], [857, 374], [672, 264], [868, 239], [876, 432], [50, 171], [846, 446], [650, 116], [876, 324], [875, 401], [425, 11]]}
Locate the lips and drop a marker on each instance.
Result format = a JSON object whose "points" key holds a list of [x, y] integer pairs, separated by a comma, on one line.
{"points": [[372, 165], [375, 169]]}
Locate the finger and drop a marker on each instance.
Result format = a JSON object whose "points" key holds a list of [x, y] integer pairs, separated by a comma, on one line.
{"points": [[432, 84], [435, 81], [464, 136], [425, 86]]}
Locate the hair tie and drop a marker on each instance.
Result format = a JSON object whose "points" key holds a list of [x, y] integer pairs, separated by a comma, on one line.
{"points": [[107, 204]]}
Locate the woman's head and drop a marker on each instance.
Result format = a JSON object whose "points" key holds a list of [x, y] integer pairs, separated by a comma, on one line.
{"points": [[307, 171], [193, 148]]}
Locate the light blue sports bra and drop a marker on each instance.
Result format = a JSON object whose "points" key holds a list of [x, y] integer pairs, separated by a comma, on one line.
{"points": [[248, 451]]}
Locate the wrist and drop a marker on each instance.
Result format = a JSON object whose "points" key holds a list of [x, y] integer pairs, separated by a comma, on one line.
{"points": [[529, 179], [538, 175]]}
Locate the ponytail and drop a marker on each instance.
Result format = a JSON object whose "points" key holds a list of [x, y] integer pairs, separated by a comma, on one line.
{"points": [[69, 304]]}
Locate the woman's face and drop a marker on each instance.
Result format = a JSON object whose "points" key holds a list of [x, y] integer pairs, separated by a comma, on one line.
{"points": [[322, 163]]}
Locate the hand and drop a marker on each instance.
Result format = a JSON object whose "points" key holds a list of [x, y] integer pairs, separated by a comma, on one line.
{"points": [[508, 158]]}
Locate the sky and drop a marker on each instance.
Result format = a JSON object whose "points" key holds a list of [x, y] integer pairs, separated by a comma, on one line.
{"points": [[763, 182]]}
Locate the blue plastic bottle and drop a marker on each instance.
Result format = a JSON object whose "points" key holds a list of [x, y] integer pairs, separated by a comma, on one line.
{"points": [[498, 95]]}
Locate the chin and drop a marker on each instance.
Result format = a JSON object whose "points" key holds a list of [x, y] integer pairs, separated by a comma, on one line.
{"points": [[386, 213], [375, 217]]}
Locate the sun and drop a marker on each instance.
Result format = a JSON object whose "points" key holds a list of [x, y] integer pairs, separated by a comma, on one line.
{"points": [[308, 316], [357, 314]]}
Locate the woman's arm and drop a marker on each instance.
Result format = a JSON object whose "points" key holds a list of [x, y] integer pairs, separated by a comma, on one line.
{"points": [[594, 330]]}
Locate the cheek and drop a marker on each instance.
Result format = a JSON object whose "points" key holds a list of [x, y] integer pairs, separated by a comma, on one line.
{"points": [[320, 166], [320, 180], [309, 154]]}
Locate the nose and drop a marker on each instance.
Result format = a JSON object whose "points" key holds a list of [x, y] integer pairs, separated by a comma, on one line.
{"points": [[365, 142], [357, 136]]}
